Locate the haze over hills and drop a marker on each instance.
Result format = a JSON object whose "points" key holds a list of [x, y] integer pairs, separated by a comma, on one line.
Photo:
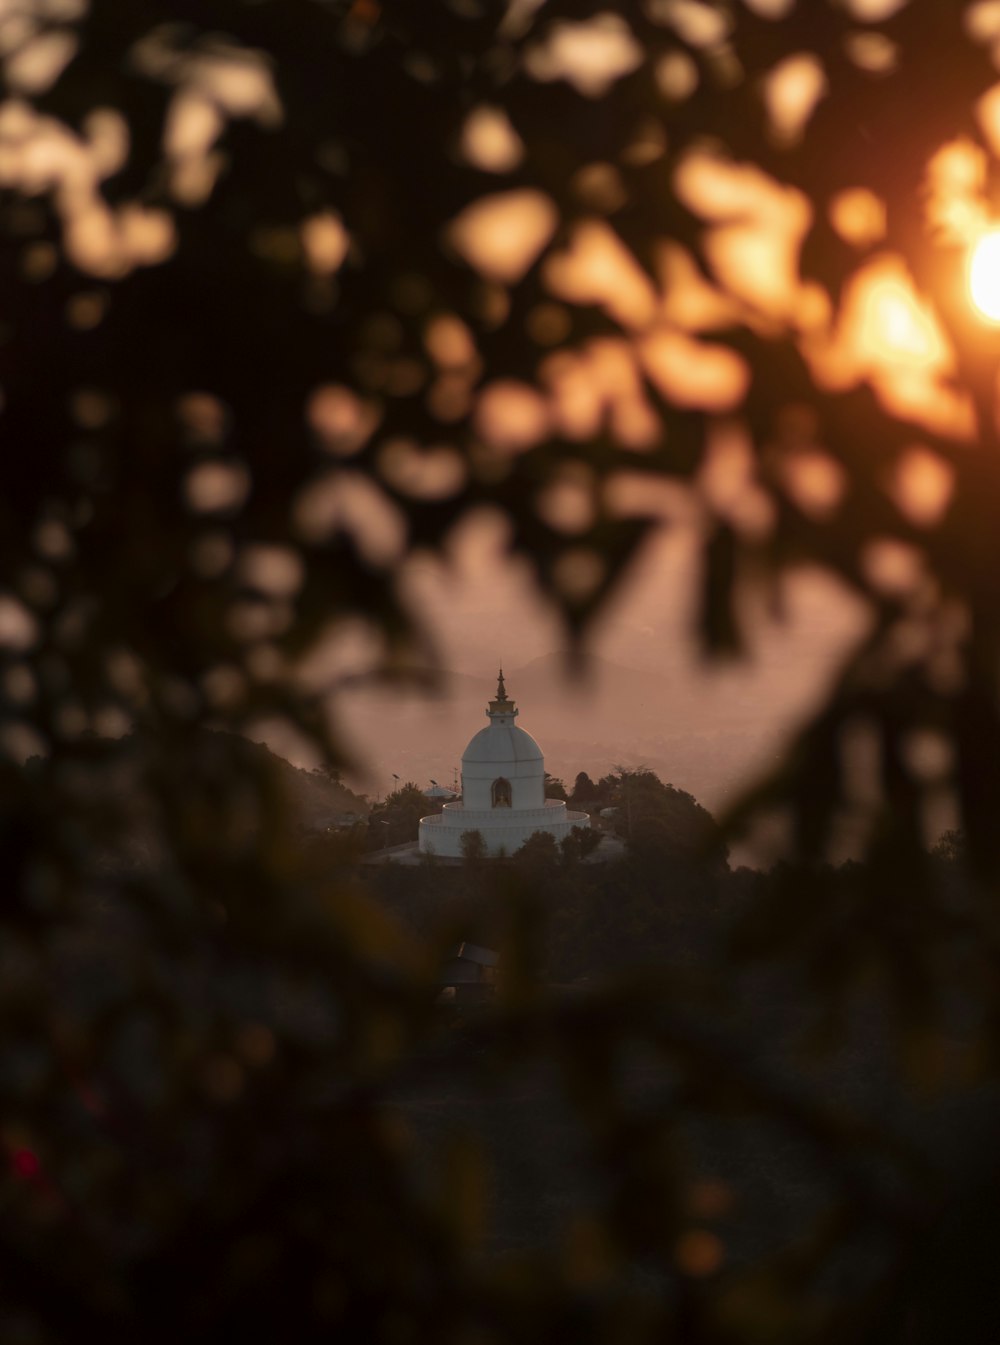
{"points": [[647, 697], [702, 735]]}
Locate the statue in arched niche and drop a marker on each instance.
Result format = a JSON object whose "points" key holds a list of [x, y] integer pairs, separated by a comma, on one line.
{"points": [[501, 793]]}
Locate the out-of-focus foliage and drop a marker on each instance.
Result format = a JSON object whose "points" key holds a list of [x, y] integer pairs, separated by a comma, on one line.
{"points": [[292, 291], [290, 298]]}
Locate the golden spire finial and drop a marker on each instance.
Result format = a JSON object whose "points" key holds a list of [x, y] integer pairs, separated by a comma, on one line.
{"points": [[501, 706]]}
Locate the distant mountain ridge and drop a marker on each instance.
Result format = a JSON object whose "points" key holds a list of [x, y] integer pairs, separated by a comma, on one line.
{"points": [[316, 799]]}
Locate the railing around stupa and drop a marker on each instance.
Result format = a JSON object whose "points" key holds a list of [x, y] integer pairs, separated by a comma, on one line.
{"points": [[469, 819]]}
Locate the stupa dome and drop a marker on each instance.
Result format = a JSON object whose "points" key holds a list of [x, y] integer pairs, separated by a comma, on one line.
{"points": [[502, 744]]}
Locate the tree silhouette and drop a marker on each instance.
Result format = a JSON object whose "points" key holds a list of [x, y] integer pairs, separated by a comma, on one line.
{"points": [[473, 847], [396, 820]]}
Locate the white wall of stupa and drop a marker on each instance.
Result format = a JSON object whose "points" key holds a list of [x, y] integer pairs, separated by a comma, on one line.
{"points": [[503, 791]]}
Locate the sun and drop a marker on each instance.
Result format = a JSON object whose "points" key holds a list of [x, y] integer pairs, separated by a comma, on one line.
{"points": [[984, 275]]}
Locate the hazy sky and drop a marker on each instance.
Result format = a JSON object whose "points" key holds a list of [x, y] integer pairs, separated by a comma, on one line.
{"points": [[703, 728], [483, 606]]}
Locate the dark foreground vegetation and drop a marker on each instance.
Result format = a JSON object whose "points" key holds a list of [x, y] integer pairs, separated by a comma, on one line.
{"points": [[657, 897], [795, 1082]]}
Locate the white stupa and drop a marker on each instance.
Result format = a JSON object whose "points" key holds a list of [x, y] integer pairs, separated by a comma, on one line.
{"points": [[503, 791]]}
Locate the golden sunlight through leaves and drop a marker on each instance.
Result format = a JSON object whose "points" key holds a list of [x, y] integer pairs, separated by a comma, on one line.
{"points": [[955, 204], [896, 327], [512, 415], [501, 235], [984, 275], [858, 216], [922, 486], [791, 92], [590, 55], [597, 268], [489, 141]]}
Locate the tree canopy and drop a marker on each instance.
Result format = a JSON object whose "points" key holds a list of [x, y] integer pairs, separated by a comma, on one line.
{"points": [[658, 820], [395, 820]]}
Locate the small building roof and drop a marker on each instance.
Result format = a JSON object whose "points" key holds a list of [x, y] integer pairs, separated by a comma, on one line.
{"points": [[472, 952]]}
